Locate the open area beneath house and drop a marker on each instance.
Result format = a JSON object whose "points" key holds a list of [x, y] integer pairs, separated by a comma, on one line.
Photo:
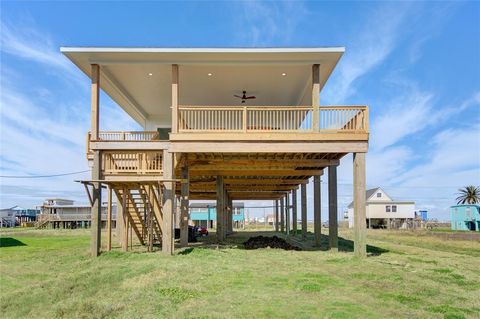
{"points": [[49, 273]]}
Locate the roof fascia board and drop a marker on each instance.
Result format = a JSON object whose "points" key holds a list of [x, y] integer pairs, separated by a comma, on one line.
{"points": [[205, 62], [201, 50]]}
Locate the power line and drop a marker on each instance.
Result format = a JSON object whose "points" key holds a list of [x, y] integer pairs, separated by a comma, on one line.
{"points": [[42, 176]]}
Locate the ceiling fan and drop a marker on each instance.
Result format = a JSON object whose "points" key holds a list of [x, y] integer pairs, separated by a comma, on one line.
{"points": [[244, 97]]}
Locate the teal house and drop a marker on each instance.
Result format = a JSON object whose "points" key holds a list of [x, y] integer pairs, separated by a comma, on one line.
{"points": [[205, 215], [465, 217]]}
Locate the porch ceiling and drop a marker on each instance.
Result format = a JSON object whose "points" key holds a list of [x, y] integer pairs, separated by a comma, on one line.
{"points": [[125, 76], [253, 176]]}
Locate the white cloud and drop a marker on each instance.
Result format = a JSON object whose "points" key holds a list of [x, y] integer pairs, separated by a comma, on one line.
{"points": [[43, 127], [407, 114], [264, 23], [454, 151], [30, 44], [371, 46]]}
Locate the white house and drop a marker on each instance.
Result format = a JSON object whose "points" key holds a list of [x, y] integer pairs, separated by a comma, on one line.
{"points": [[384, 212], [7, 217], [64, 213]]}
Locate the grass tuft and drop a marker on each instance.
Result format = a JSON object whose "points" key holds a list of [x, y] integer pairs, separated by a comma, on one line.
{"points": [[177, 295]]}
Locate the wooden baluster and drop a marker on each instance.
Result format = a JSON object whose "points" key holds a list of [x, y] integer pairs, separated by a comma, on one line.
{"points": [[269, 120], [245, 118], [254, 119], [277, 120]]}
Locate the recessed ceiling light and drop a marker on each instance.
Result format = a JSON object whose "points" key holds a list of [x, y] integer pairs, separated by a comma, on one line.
{"points": [[284, 74], [150, 74], [209, 74]]}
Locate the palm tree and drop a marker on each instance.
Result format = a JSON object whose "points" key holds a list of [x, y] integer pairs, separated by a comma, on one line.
{"points": [[469, 195]]}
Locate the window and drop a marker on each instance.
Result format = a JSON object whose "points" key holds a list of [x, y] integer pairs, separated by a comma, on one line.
{"points": [[394, 208], [379, 194], [387, 208]]}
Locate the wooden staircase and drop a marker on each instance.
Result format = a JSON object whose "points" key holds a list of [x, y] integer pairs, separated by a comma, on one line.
{"points": [[42, 224], [144, 212]]}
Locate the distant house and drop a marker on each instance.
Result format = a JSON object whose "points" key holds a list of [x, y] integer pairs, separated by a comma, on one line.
{"points": [[465, 217], [64, 213], [7, 217], [384, 212], [205, 215], [17, 216]]}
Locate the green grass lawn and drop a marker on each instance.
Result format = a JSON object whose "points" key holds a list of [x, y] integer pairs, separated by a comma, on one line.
{"points": [[49, 273]]}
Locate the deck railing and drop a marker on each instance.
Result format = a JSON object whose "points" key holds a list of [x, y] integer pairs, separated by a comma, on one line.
{"points": [[127, 136], [331, 119], [69, 217], [121, 136], [234, 119], [135, 162]]}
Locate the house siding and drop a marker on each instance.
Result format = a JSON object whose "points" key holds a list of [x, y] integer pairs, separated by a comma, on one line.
{"points": [[465, 217]]}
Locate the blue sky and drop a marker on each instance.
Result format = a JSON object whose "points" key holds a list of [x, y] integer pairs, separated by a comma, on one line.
{"points": [[417, 65]]}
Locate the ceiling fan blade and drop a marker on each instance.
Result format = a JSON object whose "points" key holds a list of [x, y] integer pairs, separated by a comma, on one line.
{"points": [[250, 97]]}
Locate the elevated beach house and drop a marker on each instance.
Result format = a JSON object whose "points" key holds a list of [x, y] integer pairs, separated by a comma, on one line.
{"points": [[465, 217], [382, 211], [219, 124], [205, 215], [65, 213]]}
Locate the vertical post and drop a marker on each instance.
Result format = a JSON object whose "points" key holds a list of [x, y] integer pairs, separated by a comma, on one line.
{"points": [[303, 193], [220, 209], [96, 169], [131, 236], [174, 98], [282, 214], [119, 220], [225, 211], [276, 215], [317, 212], [168, 235], [97, 205], [109, 219], [287, 213], [332, 208], [294, 211], [125, 220], [359, 210], [230, 214], [315, 96], [184, 202], [95, 103], [149, 210]]}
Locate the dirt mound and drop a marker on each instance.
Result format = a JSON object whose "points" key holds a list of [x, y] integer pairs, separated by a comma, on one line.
{"points": [[272, 242]]}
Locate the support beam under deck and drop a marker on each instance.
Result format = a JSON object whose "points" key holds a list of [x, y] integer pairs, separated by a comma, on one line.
{"points": [[294, 211], [317, 215], [282, 214], [220, 209], [184, 203], [276, 216], [168, 239], [359, 189], [303, 193], [333, 208], [96, 205]]}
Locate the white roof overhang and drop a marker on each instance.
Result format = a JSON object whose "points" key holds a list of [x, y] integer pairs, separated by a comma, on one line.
{"points": [[125, 76]]}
